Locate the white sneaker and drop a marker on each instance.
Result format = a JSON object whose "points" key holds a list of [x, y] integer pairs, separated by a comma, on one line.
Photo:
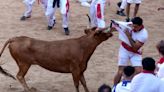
{"points": [[85, 4]]}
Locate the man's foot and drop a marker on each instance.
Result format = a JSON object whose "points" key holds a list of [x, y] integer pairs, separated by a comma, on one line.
{"points": [[121, 13], [128, 20], [66, 31], [85, 4], [23, 18], [50, 27]]}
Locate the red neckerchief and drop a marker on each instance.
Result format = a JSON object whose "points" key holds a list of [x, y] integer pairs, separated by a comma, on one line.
{"points": [[161, 60], [146, 71]]}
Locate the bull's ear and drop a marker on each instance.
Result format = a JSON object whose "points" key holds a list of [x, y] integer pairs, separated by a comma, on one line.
{"points": [[93, 28], [87, 31]]}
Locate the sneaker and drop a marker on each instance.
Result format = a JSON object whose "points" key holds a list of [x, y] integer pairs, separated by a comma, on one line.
{"points": [[85, 4], [50, 27], [66, 31], [24, 18], [121, 13]]}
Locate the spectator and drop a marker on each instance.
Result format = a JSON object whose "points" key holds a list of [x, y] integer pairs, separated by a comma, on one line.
{"points": [[97, 13], [121, 9], [64, 9], [130, 49], [160, 64], [124, 85], [104, 88], [146, 81], [137, 4], [29, 5]]}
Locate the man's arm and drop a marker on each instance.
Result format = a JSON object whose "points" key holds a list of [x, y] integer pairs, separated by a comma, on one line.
{"points": [[136, 45]]}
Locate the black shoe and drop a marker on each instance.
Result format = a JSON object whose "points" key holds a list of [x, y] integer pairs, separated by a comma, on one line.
{"points": [[66, 31], [23, 18], [127, 19], [121, 13], [50, 27]]}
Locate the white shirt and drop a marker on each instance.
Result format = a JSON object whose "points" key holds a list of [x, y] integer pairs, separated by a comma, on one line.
{"points": [[146, 82], [123, 86], [160, 72]]}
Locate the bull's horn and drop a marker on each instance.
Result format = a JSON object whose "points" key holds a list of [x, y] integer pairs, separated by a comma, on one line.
{"points": [[89, 21], [106, 29]]}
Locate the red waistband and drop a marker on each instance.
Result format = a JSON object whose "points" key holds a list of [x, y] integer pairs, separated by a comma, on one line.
{"points": [[127, 47]]}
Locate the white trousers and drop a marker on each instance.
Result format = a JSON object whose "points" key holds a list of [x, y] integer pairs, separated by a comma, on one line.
{"points": [[97, 13], [64, 9], [29, 5], [123, 4]]}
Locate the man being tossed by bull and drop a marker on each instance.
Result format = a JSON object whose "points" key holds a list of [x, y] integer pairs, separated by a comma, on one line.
{"points": [[130, 48]]}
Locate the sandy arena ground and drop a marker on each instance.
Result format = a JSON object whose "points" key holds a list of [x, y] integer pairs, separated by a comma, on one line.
{"points": [[103, 63]]}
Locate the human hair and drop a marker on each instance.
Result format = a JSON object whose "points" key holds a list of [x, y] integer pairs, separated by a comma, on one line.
{"points": [[137, 21], [148, 63], [129, 71], [104, 87], [160, 47]]}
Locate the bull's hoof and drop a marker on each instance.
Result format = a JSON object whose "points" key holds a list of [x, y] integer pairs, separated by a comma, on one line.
{"points": [[31, 90]]}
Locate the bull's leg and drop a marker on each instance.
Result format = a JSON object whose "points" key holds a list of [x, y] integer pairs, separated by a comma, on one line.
{"points": [[76, 78], [23, 68], [83, 82]]}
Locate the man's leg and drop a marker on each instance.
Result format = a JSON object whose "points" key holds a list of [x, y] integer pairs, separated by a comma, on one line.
{"points": [[64, 6], [128, 12], [121, 8], [118, 75], [50, 14], [136, 10], [27, 13], [100, 15], [93, 15]]}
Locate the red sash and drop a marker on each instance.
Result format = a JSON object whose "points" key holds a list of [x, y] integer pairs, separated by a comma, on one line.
{"points": [[127, 47], [99, 11]]}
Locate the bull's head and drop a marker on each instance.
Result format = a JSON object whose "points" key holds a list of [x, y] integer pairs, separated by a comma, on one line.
{"points": [[98, 34]]}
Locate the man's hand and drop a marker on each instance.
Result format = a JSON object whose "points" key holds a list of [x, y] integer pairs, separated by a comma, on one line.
{"points": [[128, 34]]}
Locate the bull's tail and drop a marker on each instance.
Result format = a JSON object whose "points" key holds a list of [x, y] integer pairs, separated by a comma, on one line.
{"points": [[3, 71]]}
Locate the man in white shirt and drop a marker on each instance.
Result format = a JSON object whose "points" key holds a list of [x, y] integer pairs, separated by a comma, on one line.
{"points": [[146, 81], [160, 63], [130, 49], [124, 85]]}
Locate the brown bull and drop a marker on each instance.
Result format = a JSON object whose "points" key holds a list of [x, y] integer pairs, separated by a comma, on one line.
{"points": [[64, 56]]}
